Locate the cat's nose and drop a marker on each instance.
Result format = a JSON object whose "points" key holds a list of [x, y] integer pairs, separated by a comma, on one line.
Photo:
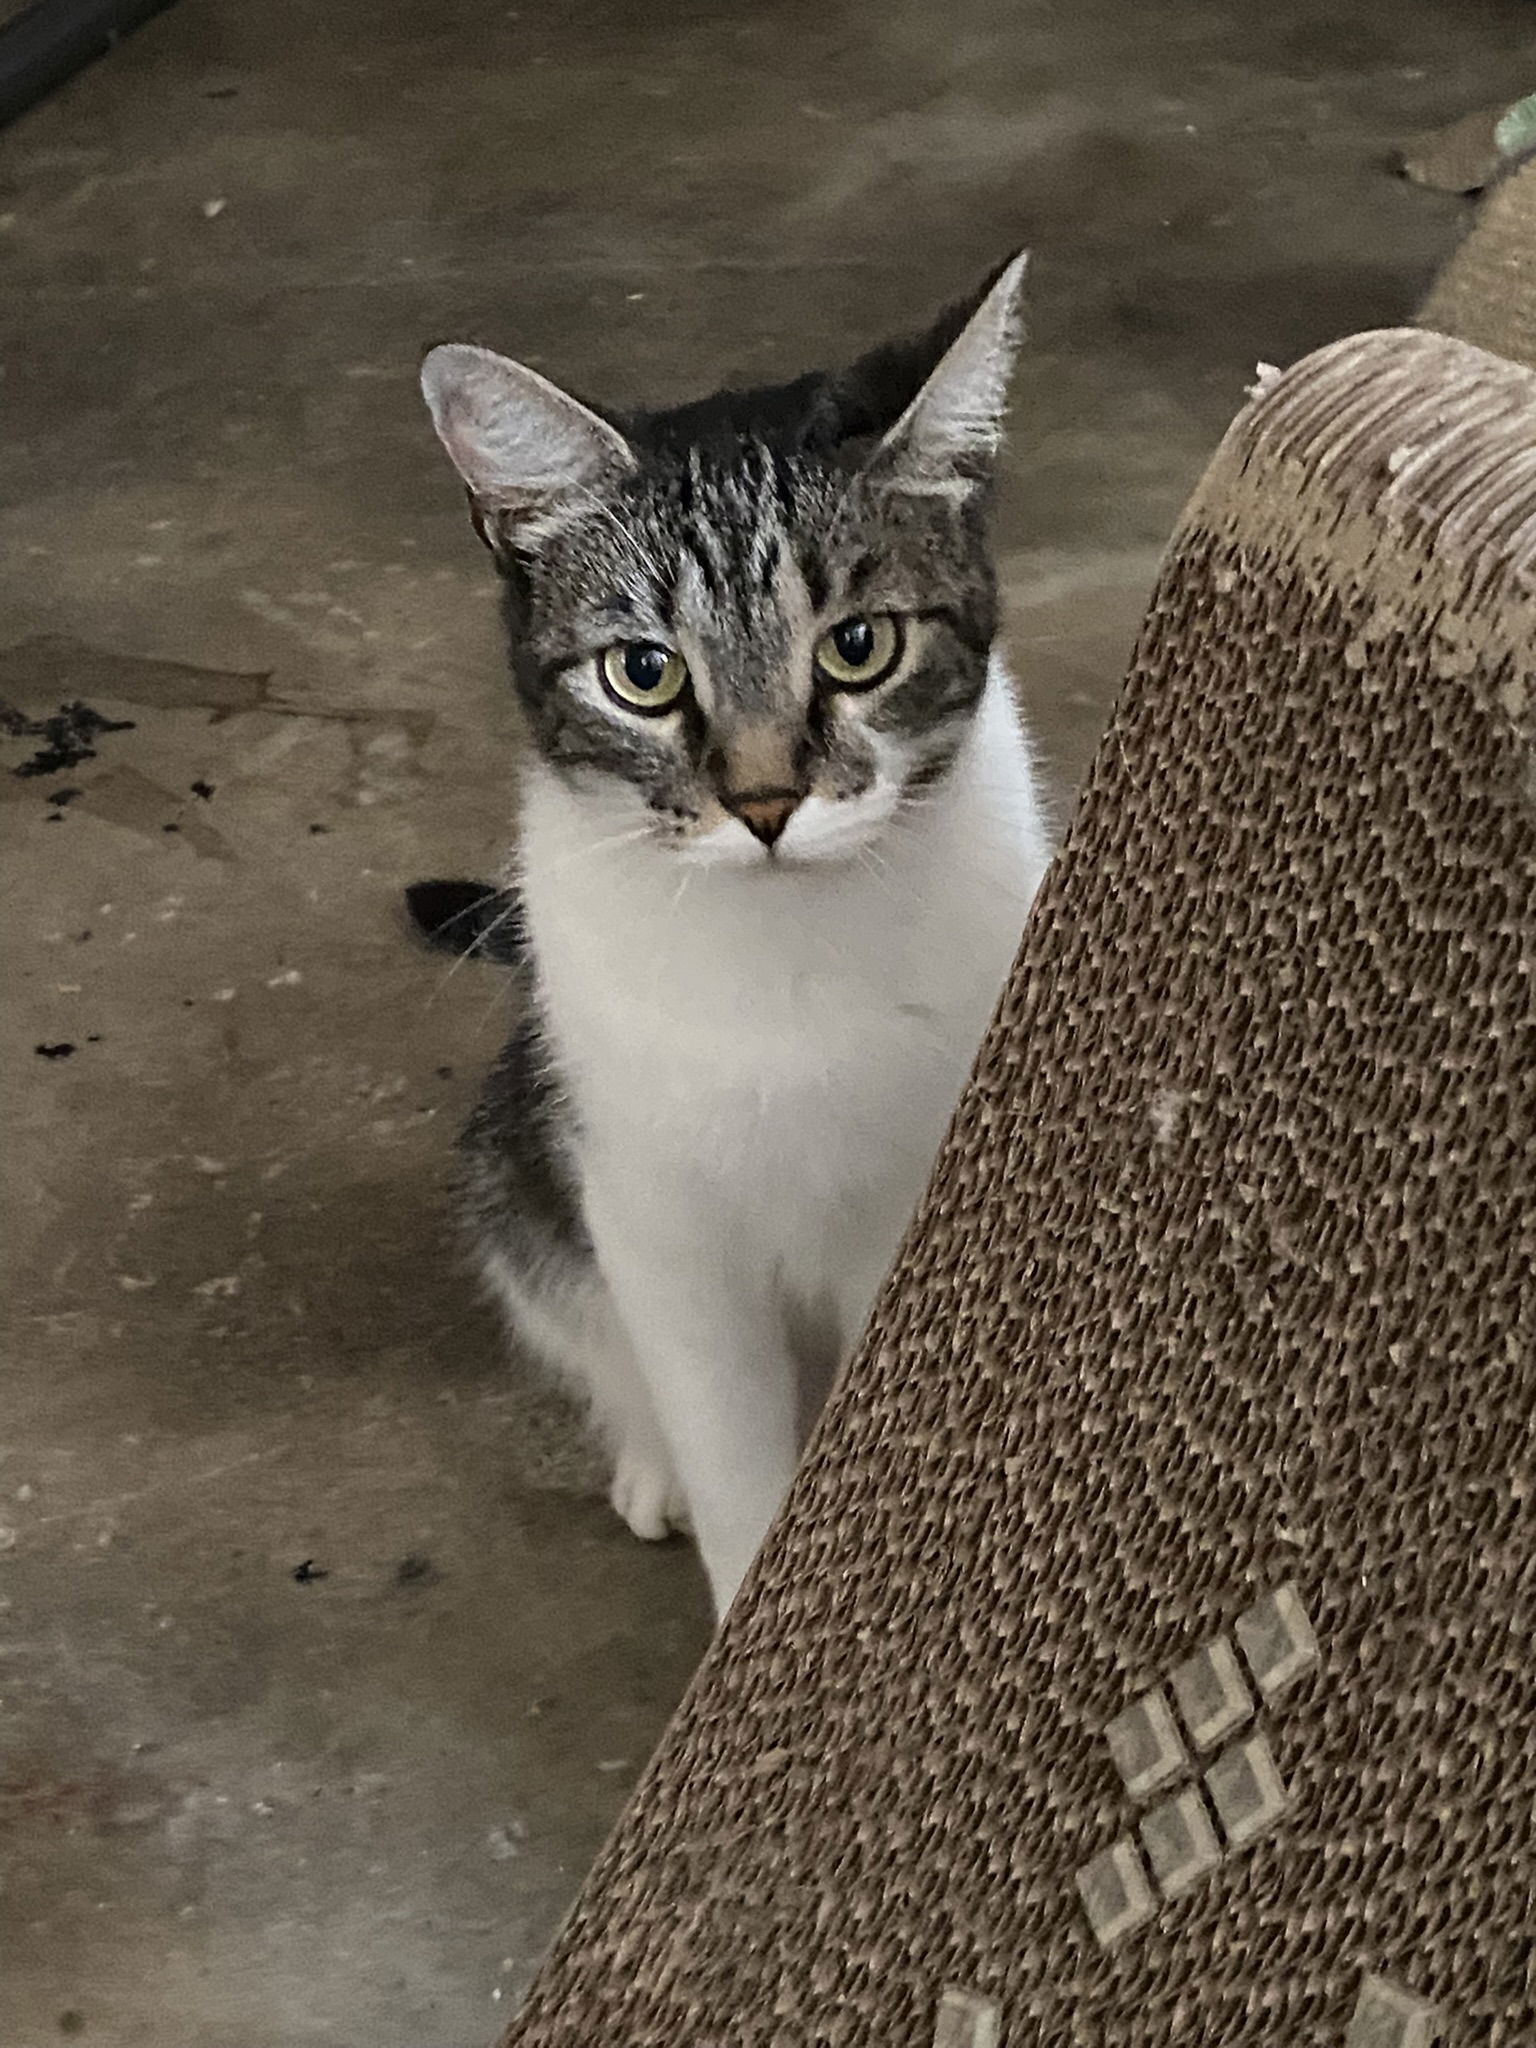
{"points": [[764, 812]]}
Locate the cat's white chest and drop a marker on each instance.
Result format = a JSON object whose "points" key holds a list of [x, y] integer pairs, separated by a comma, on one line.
{"points": [[784, 1049], [789, 1146]]}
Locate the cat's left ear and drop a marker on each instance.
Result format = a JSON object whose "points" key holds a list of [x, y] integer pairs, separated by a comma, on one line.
{"points": [[946, 441], [527, 450]]}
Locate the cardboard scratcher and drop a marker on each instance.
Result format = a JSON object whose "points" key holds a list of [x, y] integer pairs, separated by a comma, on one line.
{"points": [[1147, 1652], [1487, 292]]}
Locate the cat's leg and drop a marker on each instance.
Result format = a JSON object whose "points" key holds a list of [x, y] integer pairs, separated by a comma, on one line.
{"points": [[571, 1326], [644, 1492], [711, 1342], [523, 1206]]}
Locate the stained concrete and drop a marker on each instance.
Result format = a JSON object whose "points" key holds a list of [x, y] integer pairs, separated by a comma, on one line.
{"points": [[325, 1668]]}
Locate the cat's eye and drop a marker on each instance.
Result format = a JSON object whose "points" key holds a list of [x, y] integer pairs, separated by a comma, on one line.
{"points": [[643, 676], [858, 653]]}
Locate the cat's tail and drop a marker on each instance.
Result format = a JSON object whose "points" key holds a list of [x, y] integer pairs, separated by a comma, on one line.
{"points": [[473, 920]]}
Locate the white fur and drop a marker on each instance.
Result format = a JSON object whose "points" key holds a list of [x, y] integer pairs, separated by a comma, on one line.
{"points": [[763, 1056]]}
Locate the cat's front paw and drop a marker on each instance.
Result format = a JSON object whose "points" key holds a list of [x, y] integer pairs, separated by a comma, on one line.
{"points": [[646, 1497]]}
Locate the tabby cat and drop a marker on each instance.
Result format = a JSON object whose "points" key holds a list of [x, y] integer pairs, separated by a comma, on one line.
{"points": [[779, 831]]}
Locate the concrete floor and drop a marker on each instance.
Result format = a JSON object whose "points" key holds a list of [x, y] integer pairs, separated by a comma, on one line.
{"points": [[241, 1810]]}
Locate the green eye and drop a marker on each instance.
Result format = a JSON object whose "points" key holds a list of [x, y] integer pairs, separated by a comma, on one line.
{"points": [[858, 653], [642, 676]]}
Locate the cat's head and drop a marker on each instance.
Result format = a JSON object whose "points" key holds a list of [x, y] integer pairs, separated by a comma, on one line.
{"points": [[753, 627]]}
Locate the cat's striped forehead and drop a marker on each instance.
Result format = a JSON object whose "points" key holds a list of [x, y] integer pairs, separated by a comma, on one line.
{"points": [[724, 529], [729, 524], [734, 561], [734, 526], [753, 550]]}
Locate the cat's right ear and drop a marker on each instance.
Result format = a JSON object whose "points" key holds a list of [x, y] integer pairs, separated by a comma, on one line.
{"points": [[946, 440], [526, 450]]}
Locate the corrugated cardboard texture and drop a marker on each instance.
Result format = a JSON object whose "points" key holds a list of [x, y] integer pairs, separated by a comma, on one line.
{"points": [[1487, 292]]}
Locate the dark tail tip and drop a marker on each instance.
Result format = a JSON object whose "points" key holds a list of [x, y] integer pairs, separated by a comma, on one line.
{"points": [[473, 920]]}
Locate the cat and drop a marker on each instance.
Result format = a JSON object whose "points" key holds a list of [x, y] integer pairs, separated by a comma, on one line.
{"points": [[780, 826]]}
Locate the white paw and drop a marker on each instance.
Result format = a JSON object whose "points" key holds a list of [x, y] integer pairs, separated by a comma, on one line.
{"points": [[646, 1497]]}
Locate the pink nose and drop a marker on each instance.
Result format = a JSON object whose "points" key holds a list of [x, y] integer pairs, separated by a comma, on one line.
{"points": [[764, 812]]}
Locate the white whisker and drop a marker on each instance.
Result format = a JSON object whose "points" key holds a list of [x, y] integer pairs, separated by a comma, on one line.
{"points": [[594, 847], [470, 951], [513, 909]]}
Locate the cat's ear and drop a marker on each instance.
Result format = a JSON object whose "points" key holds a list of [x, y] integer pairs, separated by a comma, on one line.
{"points": [[523, 446], [946, 440]]}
